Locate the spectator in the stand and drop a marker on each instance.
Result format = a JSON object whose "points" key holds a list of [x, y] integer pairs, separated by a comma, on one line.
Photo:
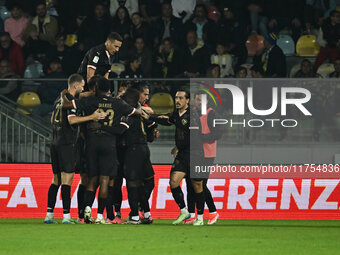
{"points": [[12, 52], [166, 60], [306, 70], [95, 28], [241, 72], [258, 17], [41, 31], [195, 57], [331, 35], [213, 71], [9, 89], [285, 15], [150, 9], [140, 29], [50, 90], [224, 60], [336, 73], [272, 60], [132, 69], [256, 72], [144, 56], [71, 61], [183, 9], [167, 26], [233, 34], [130, 5], [16, 24], [316, 12], [122, 25], [206, 29], [122, 22], [60, 50]]}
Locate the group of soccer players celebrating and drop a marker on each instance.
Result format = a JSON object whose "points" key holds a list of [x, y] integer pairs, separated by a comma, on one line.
{"points": [[105, 137]]}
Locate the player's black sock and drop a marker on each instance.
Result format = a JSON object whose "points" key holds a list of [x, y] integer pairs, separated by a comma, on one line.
{"points": [[178, 196], [80, 197], [89, 198], [66, 197], [149, 185], [200, 202], [117, 198], [190, 197], [101, 204], [208, 198], [52, 197], [109, 204], [133, 198], [143, 199]]}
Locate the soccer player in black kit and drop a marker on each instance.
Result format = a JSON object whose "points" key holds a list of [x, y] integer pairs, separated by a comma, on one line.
{"points": [[63, 150], [137, 164], [101, 152], [181, 166], [99, 59]]}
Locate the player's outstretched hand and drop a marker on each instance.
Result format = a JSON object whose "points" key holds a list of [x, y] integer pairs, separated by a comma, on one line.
{"points": [[174, 151], [98, 115]]}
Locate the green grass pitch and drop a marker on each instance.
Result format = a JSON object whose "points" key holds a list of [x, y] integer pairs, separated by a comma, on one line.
{"points": [[274, 237]]}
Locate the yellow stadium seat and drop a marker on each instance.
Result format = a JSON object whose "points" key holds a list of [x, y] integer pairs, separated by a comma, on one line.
{"points": [[307, 46], [28, 100], [162, 103], [117, 68], [325, 70], [71, 39]]}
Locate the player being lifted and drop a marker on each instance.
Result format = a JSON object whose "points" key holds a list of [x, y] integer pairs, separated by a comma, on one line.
{"points": [[63, 150], [101, 144], [181, 166]]}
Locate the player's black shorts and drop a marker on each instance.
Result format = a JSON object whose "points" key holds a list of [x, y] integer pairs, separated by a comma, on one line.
{"points": [[80, 156], [181, 162], [101, 155], [137, 162], [120, 157], [63, 158]]}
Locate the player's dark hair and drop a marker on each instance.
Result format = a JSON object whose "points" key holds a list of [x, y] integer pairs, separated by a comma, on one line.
{"points": [[74, 78], [113, 36], [140, 86], [103, 85], [131, 97], [92, 83], [187, 93]]}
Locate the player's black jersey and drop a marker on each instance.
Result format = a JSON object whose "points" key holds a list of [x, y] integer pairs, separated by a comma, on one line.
{"points": [[140, 131], [63, 132], [97, 58], [182, 133], [115, 109]]}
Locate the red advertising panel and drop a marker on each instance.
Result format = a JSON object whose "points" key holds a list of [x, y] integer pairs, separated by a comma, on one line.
{"points": [[23, 194]]}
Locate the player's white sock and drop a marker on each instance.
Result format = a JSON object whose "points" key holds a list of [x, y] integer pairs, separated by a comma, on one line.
{"points": [[184, 210], [212, 212], [200, 216], [99, 216], [67, 216], [50, 215], [147, 214], [192, 215], [135, 218]]}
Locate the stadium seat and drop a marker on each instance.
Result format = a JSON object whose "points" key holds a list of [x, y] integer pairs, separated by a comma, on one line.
{"points": [[294, 70], [254, 44], [34, 70], [4, 13], [307, 46], [287, 45], [325, 69], [117, 68], [162, 103], [71, 39], [28, 100]]}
